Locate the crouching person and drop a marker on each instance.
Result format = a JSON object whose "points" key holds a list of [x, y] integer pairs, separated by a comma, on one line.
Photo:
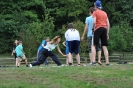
{"points": [[46, 51]]}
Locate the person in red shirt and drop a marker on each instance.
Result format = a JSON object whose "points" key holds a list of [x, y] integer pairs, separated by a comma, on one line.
{"points": [[101, 30]]}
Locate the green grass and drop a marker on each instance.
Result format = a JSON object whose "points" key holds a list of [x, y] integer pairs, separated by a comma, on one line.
{"points": [[114, 76]]}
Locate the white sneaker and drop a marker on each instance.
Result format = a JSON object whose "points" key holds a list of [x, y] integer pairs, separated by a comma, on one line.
{"points": [[91, 63], [30, 65]]}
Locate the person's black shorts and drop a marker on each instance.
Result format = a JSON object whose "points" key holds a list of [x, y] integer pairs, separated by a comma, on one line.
{"points": [[74, 46], [102, 34], [98, 47]]}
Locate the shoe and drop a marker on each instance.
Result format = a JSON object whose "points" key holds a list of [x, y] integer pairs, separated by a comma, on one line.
{"points": [[91, 63], [94, 63], [99, 63], [30, 65], [107, 64], [61, 65], [27, 65], [78, 65]]}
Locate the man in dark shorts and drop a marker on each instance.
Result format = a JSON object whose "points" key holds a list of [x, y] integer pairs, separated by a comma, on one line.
{"points": [[101, 30]]}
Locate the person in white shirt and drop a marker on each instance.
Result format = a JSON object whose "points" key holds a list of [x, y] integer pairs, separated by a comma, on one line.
{"points": [[73, 37]]}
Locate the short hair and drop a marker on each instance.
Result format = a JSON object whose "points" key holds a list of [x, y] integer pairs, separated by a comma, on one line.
{"points": [[47, 38], [91, 9], [19, 42], [70, 25]]}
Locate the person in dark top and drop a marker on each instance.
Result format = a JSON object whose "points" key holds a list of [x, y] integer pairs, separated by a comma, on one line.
{"points": [[14, 47]]}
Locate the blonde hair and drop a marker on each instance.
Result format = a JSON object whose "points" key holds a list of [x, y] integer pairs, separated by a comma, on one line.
{"points": [[54, 40]]}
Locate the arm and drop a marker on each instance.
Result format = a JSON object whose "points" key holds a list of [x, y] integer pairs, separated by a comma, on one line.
{"points": [[66, 35], [64, 44], [85, 30], [12, 51], [108, 26], [43, 42], [58, 48], [94, 23]]}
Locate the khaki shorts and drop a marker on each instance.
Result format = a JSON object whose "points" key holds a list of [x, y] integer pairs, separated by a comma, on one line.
{"points": [[20, 58]]}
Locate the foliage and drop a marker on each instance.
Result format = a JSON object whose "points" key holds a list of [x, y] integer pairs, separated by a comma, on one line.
{"points": [[36, 32], [30, 16], [121, 37]]}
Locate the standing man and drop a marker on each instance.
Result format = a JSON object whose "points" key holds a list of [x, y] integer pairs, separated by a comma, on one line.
{"points": [[101, 30], [89, 27]]}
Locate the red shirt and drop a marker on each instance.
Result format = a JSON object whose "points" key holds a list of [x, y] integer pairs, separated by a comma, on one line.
{"points": [[101, 18]]}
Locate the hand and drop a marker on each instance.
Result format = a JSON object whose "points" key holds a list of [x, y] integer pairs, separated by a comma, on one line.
{"points": [[64, 55], [82, 38], [92, 31], [107, 37]]}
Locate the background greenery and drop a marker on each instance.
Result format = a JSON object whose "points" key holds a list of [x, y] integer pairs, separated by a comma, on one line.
{"points": [[33, 20]]}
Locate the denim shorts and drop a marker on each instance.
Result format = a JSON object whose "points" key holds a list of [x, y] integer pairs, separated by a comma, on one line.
{"points": [[98, 47]]}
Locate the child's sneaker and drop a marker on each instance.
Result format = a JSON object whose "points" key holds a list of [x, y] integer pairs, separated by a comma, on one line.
{"points": [[30, 65]]}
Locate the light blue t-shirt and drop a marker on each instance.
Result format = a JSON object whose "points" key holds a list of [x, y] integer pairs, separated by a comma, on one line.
{"points": [[43, 42], [18, 50], [89, 21], [50, 47]]}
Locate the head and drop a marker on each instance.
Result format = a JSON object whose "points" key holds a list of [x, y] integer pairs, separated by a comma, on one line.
{"points": [[70, 25], [91, 10], [56, 40], [98, 4], [16, 41], [47, 39], [19, 42]]}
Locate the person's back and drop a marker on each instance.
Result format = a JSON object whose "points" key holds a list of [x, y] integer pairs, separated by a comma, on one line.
{"points": [[18, 50], [101, 18], [72, 34], [89, 21], [43, 42]]}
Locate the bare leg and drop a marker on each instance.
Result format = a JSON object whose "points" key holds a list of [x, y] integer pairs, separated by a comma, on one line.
{"points": [[70, 58], [90, 55], [16, 61], [93, 53], [99, 56], [67, 58], [26, 62], [78, 58], [106, 54]]}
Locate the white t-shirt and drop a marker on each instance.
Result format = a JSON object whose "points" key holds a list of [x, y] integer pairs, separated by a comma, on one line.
{"points": [[72, 34]]}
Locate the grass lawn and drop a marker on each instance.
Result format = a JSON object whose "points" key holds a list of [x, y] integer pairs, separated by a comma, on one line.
{"points": [[114, 76]]}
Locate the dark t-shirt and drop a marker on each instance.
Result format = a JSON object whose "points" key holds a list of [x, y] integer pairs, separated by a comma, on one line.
{"points": [[14, 46]]}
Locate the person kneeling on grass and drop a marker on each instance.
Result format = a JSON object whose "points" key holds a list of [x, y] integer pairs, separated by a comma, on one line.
{"points": [[46, 51], [20, 54]]}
